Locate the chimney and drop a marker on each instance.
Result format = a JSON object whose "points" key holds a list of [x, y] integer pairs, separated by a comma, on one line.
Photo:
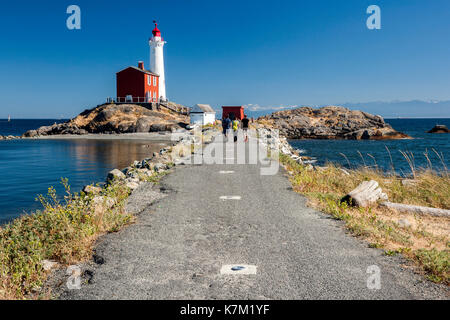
{"points": [[141, 65]]}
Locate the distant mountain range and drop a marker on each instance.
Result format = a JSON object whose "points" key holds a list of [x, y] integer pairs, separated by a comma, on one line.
{"points": [[392, 109], [405, 109]]}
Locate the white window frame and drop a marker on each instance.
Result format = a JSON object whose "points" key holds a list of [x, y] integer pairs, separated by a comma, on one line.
{"points": [[154, 81], [149, 80]]}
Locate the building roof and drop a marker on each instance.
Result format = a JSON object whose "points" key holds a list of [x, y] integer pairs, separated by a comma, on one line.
{"points": [[156, 32], [141, 70], [202, 108]]}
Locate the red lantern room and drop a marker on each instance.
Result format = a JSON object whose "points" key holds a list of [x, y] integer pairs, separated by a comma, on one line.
{"points": [[156, 32]]}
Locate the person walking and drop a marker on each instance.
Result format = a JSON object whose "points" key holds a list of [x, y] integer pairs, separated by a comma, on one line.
{"points": [[226, 122], [245, 122], [235, 125]]}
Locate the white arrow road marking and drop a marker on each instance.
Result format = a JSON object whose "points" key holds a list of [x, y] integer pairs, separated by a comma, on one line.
{"points": [[235, 269], [230, 198], [226, 172]]}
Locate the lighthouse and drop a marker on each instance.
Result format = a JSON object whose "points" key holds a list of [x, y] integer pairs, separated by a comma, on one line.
{"points": [[156, 43]]}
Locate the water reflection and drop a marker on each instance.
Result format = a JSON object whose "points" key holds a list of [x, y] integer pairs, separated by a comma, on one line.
{"points": [[29, 167], [112, 154]]}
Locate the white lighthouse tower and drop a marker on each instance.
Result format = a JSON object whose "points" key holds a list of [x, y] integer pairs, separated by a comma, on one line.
{"points": [[157, 60]]}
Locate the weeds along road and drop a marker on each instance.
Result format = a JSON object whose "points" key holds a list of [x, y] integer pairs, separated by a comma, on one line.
{"points": [[219, 215]]}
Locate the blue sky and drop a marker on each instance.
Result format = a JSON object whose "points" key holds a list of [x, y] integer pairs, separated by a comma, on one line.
{"points": [[265, 53]]}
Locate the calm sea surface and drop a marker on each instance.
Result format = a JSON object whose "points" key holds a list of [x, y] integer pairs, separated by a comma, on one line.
{"points": [[375, 153], [29, 167]]}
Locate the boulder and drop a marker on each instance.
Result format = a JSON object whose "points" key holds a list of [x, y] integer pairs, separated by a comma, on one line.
{"points": [[160, 167], [115, 174], [143, 124], [48, 265], [90, 189], [132, 185], [101, 203], [30, 134], [157, 127], [439, 128]]}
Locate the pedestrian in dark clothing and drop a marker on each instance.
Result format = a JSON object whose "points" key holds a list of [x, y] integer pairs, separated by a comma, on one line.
{"points": [[226, 125], [245, 122]]}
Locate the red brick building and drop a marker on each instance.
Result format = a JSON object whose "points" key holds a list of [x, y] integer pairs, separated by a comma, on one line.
{"points": [[235, 112], [135, 84]]}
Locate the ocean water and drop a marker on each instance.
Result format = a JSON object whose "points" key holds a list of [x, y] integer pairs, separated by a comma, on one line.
{"points": [[29, 167], [352, 153]]}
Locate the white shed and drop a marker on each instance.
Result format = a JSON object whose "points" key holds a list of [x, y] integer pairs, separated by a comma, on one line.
{"points": [[202, 114]]}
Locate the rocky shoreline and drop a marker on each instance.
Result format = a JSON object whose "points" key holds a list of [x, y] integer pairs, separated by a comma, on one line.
{"points": [[10, 137], [177, 154], [121, 118], [331, 122]]}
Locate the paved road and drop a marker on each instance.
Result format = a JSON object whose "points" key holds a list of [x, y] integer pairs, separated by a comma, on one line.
{"points": [[179, 245]]}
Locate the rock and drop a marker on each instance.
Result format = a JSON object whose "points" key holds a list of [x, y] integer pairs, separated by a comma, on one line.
{"points": [[160, 167], [143, 124], [134, 179], [157, 127], [30, 134], [404, 223], [136, 163], [115, 175], [100, 203], [48, 264], [331, 122], [132, 185], [91, 189], [126, 170], [365, 194], [439, 128], [98, 259], [74, 271]]}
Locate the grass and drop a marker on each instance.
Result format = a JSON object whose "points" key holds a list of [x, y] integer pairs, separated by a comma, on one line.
{"points": [[63, 231], [426, 241]]}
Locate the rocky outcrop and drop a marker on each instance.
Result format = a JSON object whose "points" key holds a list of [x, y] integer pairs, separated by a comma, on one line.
{"points": [[330, 123], [10, 137], [439, 128], [112, 118]]}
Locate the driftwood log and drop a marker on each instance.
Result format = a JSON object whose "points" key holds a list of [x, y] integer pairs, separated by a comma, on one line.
{"points": [[365, 194], [417, 209]]}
